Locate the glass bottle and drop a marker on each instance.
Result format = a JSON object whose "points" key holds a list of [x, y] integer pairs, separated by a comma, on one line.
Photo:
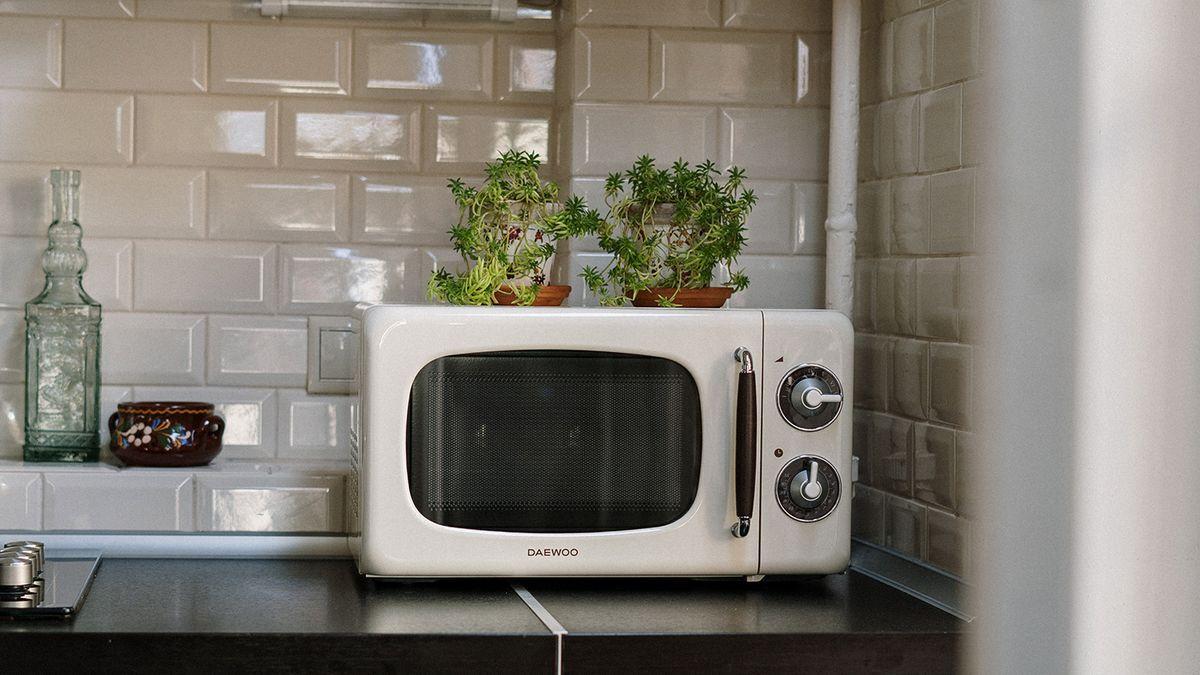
{"points": [[62, 343]]}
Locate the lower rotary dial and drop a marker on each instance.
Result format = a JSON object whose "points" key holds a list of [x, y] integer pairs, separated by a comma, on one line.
{"points": [[808, 488]]}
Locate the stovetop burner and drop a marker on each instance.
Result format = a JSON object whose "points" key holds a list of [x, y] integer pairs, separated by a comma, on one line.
{"points": [[34, 585]]}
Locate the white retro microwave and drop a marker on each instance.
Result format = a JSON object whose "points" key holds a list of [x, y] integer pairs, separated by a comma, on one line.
{"points": [[521, 442]]}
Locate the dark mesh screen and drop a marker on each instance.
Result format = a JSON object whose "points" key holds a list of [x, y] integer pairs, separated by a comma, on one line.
{"points": [[553, 441]]}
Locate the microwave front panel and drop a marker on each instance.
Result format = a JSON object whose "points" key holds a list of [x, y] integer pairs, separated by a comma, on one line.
{"points": [[617, 433], [547, 441]]}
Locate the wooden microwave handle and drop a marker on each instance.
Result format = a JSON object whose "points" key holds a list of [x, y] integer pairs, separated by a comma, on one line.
{"points": [[745, 442]]}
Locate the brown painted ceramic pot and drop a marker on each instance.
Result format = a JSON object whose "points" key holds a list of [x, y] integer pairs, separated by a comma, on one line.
{"points": [[712, 296], [550, 295], [165, 433]]}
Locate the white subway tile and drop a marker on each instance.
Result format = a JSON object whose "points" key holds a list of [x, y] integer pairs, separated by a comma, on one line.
{"points": [[972, 122], [288, 503], [205, 276], [525, 68], [24, 200], [147, 502], [968, 300], [801, 15], [685, 13], [905, 526], [886, 48], [871, 372], [952, 211], [331, 279], [937, 308], [21, 501], [280, 59], [278, 206], [913, 58], [885, 139], [136, 202], [65, 127], [260, 351], [107, 278], [863, 311], [424, 65], [12, 420], [355, 136], [905, 135], [874, 218], [782, 282], [776, 142], [249, 414], [933, 465], [109, 275], [12, 346], [97, 8], [31, 51], [904, 296], [692, 66], [814, 61], [910, 378], [948, 541], [771, 227], [414, 210], [910, 215], [313, 427], [141, 55], [592, 191], [941, 128], [462, 138], [110, 396], [611, 64], [809, 206], [435, 258], [609, 138], [581, 296], [950, 383], [955, 40], [202, 10], [21, 262], [152, 349], [206, 131]]}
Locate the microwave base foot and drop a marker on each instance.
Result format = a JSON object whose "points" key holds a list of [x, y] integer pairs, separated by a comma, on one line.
{"points": [[754, 578]]}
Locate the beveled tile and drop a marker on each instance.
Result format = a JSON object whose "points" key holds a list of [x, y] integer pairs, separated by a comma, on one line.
{"points": [[941, 128], [965, 485], [107, 278], [96, 8], [110, 396], [684, 13], [206, 131], [952, 212], [868, 66], [249, 415], [874, 218], [152, 348], [331, 279], [581, 296], [31, 51], [950, 392], [424, 65], [913, 58], [694, 66], [863, 311], [968, 300], [814, 60], [946, 542], [12, 420], [933, 465], [873, 358], [21, 501], [610, 137], [25, 201], [205, 276], [955, 40], [359, 136], [128, 55], [12, 346], [937, 293], [910, 215], [771, 226], [884, 139], [278, 206], [798, 15], [867, 522], [462, 138], [313, 427], [868, 154], [891, 443], [972, 122], [776, 142], [782, 282], [263, 351], [66, 127], [270, 503], [280, 59], [905, 527], [414, 210], [905, 136], [610, 64], [885, 64], [809, 204], [525, 68], [149, 502], [135, 202], [910, 378], [904, 299]]}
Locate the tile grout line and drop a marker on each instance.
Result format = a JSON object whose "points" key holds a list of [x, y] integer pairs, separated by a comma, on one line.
{"points": [[547, 620]]}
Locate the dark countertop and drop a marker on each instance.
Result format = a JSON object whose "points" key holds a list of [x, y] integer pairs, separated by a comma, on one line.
{"points": [[197, 615]]}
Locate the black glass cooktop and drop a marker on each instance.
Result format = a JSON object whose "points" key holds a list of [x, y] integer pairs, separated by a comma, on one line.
{"points": [[64, 583]]}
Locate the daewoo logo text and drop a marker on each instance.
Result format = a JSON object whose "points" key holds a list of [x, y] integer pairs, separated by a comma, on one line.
{"points": [[552, 552]]}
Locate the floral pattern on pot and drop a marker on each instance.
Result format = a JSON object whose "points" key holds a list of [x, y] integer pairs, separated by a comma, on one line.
{"points": [[158, 431]]}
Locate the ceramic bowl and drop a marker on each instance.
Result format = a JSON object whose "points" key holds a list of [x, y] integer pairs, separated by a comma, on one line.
{"points": [[165, 433]]}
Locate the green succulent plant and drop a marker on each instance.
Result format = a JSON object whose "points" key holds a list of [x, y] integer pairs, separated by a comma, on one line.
{"points": [[655, 247], [507, 230]]}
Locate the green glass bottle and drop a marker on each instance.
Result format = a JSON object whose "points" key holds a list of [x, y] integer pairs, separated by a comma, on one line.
{"points": [[62, 343]]}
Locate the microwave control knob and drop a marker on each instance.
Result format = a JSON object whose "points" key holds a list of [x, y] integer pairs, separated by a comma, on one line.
{"points": [[810, 397], [808, 488]]}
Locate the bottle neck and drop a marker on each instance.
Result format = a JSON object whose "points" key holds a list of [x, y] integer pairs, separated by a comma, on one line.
{"points": [[65, 199]]}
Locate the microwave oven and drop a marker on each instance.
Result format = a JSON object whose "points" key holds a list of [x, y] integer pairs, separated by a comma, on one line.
{"points": [[527, 442]]}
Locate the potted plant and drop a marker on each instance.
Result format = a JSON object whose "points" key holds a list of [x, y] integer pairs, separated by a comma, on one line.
{"points": [[507, 233], [667, 230]]}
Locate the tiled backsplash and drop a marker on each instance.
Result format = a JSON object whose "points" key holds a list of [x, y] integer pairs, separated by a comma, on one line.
{"points": [[916, 246], [240, 173]]}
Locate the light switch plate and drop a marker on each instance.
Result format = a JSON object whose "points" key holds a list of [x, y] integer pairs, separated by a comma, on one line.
{"points": [[332, 355]]}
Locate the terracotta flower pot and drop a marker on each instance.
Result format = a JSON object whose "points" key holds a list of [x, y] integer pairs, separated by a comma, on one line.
{"points": [[165, 433], [711, 297], [548, 296]]}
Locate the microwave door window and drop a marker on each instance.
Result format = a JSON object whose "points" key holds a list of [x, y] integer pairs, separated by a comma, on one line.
{"points": [[553, 441]]}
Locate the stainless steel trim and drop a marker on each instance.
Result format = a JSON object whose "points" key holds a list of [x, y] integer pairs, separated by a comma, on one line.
{"points": [[933, 586], [779, 500], [539, 610], [783, 379], [742, 355]]}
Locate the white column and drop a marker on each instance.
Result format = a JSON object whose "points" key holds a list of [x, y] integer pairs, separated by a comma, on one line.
{"points": [[842, 220]]}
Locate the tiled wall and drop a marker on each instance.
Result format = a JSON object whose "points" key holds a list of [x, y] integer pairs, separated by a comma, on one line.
{"points": [[916, 246]]}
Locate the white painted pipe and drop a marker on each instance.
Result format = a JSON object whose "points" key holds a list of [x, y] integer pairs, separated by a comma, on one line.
{"points": [[841, 223]]}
